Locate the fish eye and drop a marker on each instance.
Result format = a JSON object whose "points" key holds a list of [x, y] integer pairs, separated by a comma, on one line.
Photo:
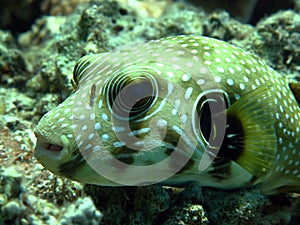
{"points": [[130, 98], [137, 94], [80, 68], [209, 110], [204, 122]]}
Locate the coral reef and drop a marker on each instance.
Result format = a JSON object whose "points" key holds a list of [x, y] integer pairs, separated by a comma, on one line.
{"points": [[18, 15], [60, 7], [277, 40], [35, 71], [149, 8], [246, 10], [82, 211], [18, 206], [242, 10], [13, 66]]}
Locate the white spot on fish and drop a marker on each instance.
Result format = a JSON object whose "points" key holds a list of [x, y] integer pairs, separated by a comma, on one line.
{"points": [[84, 128], [188, 92], [184, 118], [230, 82], [118, 144], [91, 135], [97, 126], [170, 74], [221, 69], [61, 119], [96, 148], [185, 77], [200, 81], [242, 86], [92, 116], [105, 137], [217, 79], [64, 125], [203, 70], [161, 123], [104, 117]]}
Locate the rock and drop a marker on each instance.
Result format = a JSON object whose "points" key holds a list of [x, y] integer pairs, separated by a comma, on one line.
{"points": [[82, 212]]}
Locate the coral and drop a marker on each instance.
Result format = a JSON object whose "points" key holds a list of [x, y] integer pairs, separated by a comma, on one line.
{"points": [[16, 140], [241, 10], [240, 207], [11, 182], [192, 215], [275, 39], [220, 25], [60, 7], [18, 206], [18, 15], [114, 203], [245, 10], [127, 205], [104, 25], [7, 40], [297, 5], [191, 205], [12, 212], [45, 103], [13, 66], [157, 200], [55, 189], [82, 211], [180, 19], [43, 29], [147, 8]]}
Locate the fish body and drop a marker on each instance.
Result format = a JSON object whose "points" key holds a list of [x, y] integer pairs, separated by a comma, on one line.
{"points": [[172, 111]]}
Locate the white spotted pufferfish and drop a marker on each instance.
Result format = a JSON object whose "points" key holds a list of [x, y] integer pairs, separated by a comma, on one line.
{"points": [[191, 97]]}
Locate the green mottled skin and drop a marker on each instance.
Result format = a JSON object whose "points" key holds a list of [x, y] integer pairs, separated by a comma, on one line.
{"points": [[262, 110]]}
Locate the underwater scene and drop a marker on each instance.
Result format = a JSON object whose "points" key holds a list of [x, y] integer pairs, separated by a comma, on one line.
{"points": [[149, 112]]}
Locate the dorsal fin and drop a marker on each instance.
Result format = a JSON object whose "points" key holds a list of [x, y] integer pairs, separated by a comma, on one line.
{"points": [[295, 87]]}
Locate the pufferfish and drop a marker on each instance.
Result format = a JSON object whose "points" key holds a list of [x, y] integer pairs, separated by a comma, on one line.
{"points": [[174, 111]]}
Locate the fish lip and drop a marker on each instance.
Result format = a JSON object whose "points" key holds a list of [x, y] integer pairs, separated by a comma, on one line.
{"points": [[43, 145], [48, 153], [52, 147]]}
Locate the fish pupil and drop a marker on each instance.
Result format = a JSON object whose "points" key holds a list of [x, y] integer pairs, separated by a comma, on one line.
{"points": [[132, 98], [137, 94], [205, 121]]}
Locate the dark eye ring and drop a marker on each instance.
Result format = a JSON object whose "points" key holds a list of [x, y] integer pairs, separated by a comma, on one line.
{"points": [[130, 97], [209, 117]]}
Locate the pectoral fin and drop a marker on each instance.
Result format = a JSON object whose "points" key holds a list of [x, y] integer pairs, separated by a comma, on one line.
{"points": [[295, 87], [250, 137]]}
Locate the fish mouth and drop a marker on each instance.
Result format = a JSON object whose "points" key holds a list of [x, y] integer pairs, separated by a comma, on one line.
{"points": [[48, 153], [44, 146], [51, 147]]}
